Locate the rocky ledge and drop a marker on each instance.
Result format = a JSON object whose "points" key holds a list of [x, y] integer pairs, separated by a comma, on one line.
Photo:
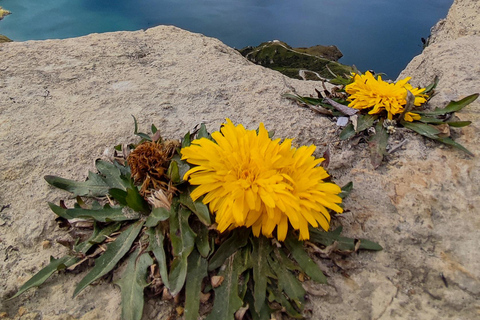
{"points": [[64, 102]]}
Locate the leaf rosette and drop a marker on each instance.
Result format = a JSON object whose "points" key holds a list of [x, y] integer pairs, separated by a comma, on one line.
{"points": [[145, 215]]}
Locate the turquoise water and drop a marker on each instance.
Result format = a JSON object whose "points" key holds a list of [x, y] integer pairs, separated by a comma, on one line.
{"points": [[383, 35]]}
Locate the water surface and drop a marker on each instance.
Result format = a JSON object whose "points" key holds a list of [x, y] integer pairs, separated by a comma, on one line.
{"points": [[383, 35]]}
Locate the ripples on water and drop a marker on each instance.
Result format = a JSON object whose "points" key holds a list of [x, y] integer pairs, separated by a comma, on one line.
{"points": [[382, 35]]}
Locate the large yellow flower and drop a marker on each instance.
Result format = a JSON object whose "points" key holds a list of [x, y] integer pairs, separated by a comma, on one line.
{"points": [[367, 92], [250, 180]]}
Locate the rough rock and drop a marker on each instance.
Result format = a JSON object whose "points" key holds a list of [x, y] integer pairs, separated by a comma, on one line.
{"points": [[64, 102], [463, 19]]}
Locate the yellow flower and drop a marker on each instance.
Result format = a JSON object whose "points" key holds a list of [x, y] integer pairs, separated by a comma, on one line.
{"points": [[250, 180], [367, 92]]}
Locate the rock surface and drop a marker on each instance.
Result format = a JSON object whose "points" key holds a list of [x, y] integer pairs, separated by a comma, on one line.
{"points": [[64, 102]]}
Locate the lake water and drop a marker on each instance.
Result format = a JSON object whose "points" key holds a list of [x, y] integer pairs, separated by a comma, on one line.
{"points": [[383, 35]]}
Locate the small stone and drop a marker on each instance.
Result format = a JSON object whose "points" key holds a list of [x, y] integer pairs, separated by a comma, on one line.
{"points": [[46, 244], [21, 311], [216, 281]]}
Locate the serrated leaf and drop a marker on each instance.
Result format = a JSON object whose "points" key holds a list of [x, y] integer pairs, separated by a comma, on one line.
{"points": [[261, 250], [286, 304], [365, 122], [227, 301], [378, 145], [197, 207], [132, 283], [105, 214], [155, 240], [157, 215], [287, 282], [453, 106], [183, 166], [181, 235], [42, 275], [183, 240], [112, 174], [343, 243], [432, 132], [196, 272], [109, 259], [346, 190], [431, 120], [308, 266], [431, 86], [140, 134], [347, 132], [102, 234], [94, 186], [237, 240]]}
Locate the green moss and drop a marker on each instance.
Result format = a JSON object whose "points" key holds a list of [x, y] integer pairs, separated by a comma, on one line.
{"points": [[3, 13], [4, 39], [289, 61]]}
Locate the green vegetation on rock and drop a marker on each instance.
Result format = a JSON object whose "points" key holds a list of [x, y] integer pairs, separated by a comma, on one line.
{"points": [[311, 63], [4, 39]]}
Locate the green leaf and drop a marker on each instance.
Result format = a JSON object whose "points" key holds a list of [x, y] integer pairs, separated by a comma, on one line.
{"points": [[153, 128], [42, 275], [432, 86], [261, 250], [157, 215], [94, 186], [104, 214], [186, 141], [136, 201], [109, 259], [458, 124], [203, 133], [59, 211], [183, 166], [197, 207], [378, 145], [183, 240], [453, 106], [178, 274], [113, 175], [181, 235], [277, 295], [155, 245], [452, 143], [227, 301], [343, 243], [202, 242], [432, 132], [196, 272], [132, 283], [237, 240], [304, 261], [422, 128], [140, 134], [346, 190], [287, 282], [347, 132], [365, 122], [172, 172], [102, 234], [431, 120]]}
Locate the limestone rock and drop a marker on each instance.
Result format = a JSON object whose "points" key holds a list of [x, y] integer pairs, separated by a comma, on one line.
{"points": [[463, 19]]}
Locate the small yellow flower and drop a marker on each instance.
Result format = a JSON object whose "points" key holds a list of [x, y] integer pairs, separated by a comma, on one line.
{"points": [[368, 92], [250, 180]]}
